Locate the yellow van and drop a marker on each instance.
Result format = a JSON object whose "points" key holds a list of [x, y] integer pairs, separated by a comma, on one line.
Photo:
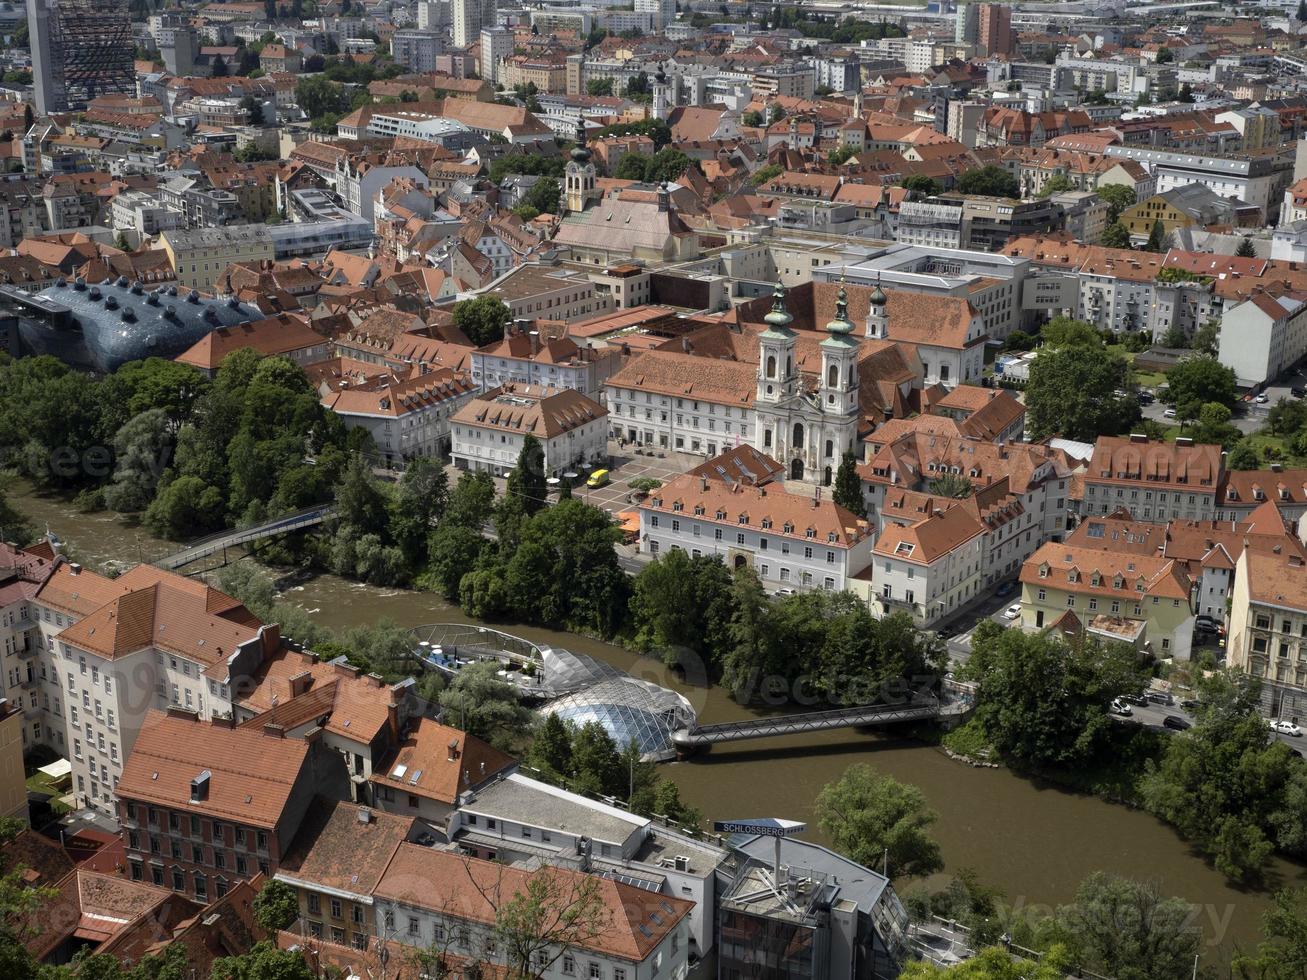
{"points": [[597, 479]]}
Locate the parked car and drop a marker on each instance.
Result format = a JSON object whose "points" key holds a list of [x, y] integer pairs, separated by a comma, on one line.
{"points": [[1189, 704], [1005, 588], [1160, 697], [1206, 624], [1285, 728], [1013, 611], [1298, 391], [1145, 397], [1119, 707], [1170, 413], [1138, 699], [1262, 398], [1176, 723], [783, 591]]}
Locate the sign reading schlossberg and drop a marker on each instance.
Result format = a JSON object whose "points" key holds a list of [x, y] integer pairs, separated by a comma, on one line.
{"points": [[763, 827]]}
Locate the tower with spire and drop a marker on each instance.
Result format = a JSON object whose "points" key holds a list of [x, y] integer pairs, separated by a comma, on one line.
{"points": [[776, 375], [579, 177], [838, 387], [661, 96], [877, 321]]}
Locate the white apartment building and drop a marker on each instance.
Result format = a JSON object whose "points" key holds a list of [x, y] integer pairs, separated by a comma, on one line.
{"points": [[430, 897], [1262, 337], [117, 648], [787, 539], [490, 429], [520, 819], [496, 45], [928, 570], [522, 358], [1268, 629], [407, 419]]}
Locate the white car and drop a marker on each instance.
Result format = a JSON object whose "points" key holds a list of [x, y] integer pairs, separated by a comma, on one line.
{"points": [[1285, 728], [1170, 413], [1261, 399], [1119, 707], [1012, 611]]}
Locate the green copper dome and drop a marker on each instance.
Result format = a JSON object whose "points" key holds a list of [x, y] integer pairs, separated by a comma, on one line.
{"points": [[841, 326], [778, 318]]}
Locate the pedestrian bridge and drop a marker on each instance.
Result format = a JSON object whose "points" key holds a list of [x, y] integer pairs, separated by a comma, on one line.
{"points": [[920, 708], [214, 543]]}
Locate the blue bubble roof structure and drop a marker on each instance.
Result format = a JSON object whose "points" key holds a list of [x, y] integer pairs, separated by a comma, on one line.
{"points": [[105, 325]]}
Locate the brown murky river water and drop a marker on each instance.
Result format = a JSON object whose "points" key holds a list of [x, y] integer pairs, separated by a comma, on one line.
{"points": [[1033, 842]]}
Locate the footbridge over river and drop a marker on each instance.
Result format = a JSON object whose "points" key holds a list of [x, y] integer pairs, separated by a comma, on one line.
{"points": [[955, 703], [220, 542]]}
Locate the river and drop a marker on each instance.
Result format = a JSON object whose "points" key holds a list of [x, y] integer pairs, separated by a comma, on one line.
{"points": [[1033, 842]]}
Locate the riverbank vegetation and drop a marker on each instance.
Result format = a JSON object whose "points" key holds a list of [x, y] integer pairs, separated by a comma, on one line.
{"points": [[1227, 785], [1114, 926], [158, 439]]}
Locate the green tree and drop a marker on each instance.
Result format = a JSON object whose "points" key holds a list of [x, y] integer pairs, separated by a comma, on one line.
{"points": [[1118, 198], [1214, 426], [1073, 392], [991, 963], [1117, 235], [752, 119], [596, 762], [989, 181], [841, 155], [276, 906], [419, 502], [1062, 331], [953, 485], [764, 174], [1283, 953], [1197, 380], [543, 196], [481, 704], [1246, 249], [599, 86], [527, 479], [361, 500], [1044, 702], [558, 911], [1175, 337], [1157, 238], [682, 603], [143, 448], [848, 486], [1056, 184], [318, 96], [263, 962], [551, 749], [185, 508], [1243, 457], [876, 820], [921, 184], [1227, 786], [482, 319], [1128, 930], [1207, 338]]}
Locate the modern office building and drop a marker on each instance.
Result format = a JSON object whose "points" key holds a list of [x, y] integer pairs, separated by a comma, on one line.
{"points": [[80, 49], [469, 17]]}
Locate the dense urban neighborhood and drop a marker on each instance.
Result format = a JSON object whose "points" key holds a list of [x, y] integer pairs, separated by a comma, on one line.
{"points": [[704, 490]]}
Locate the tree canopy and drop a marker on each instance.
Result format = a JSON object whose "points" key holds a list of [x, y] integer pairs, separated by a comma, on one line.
{"points": [[879, 822], [1079, 393]]}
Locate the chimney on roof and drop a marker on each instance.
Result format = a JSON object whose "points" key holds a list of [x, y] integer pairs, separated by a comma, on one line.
{"points": [[535, 341], [176, 711], [300, 683], [74, 568], [364, 815], [377, 680], [273, 730], [200, 786]]}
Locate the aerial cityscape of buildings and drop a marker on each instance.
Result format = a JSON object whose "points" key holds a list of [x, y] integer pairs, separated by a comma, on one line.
{"points": [[931, 368]]}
